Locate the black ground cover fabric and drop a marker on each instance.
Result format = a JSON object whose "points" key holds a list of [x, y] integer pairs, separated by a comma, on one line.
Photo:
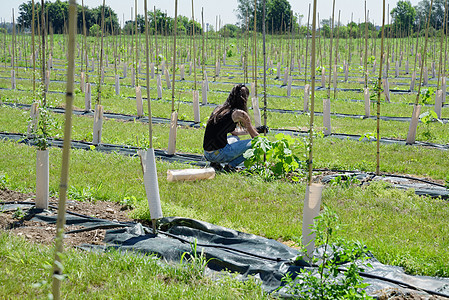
{"points": [[226, 250]]}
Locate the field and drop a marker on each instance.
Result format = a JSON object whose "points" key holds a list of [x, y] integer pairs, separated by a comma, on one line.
{"points": [[399, 227]]}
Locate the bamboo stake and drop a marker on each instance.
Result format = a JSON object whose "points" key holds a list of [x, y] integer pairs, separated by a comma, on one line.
{"points": [[413, 124], [307, 46], [155, 39], [85, 40], [255, 49], [312, 99], [194, 49], [101, 58], [33, 50], [441, 47], [150, 125], [336, 51], [59, 248], [423, 57], [136, 69], [204, 50], [44, 90], [264, 71], [174, 58], [379, 83], [366, 47], [330, 51]]}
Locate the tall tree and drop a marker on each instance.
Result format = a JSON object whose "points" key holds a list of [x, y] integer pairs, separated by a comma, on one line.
{"points": [[403, 16]]}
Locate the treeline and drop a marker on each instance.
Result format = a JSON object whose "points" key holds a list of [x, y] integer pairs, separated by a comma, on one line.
{"points": [[57, 15]]}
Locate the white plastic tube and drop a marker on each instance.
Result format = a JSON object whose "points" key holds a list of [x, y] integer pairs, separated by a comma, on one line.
{"points": [[438, 102], [152, 185], [172, 134], [167, 79], [311, 210], [367, 102], [412, 83], [425, 75], [34, 115], [13, 79], [42, 178], [204, 92], [289, 86], [152, 70], [196, 106], [98, 124], [117, 85], [133, 77], [334, 77], [159, 86], [327, 116], [125, 69], [82, 82], [411, 136], [443, 88], [256, 111], [190, 174], [139, 104], [285, 77], [323, 78], [87, 97], [306, 97], [182, 71]]}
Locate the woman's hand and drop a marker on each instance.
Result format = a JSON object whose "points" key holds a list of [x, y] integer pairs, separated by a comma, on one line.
{"points": [[240, 116]]}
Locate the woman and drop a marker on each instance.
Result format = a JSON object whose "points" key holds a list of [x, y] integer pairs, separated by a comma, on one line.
{"points": [[231, 117]]}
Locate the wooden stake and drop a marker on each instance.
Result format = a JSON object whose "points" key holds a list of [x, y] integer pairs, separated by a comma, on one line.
{"points": [[59, 247], [312, 99], [379, 84]]}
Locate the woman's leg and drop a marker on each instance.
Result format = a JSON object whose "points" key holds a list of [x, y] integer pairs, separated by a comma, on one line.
{"points": [[233, 153]]}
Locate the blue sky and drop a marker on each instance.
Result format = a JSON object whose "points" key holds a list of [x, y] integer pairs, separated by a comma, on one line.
{"points": [[225, 8]]}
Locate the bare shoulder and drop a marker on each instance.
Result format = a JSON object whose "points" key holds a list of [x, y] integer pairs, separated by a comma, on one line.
{"points": [[239, 116]]}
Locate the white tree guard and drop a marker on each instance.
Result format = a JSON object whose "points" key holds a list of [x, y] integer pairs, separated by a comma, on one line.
{"points": [[204, 92], [87, 97], [438, 103], [327, 116], [306, 97], [139, 102], [152, 185], [367, 102], [159, 86], [42, 178], [256, 111], [311, 210], [411, 136], [172, 134], [34, 115], [98, 124], [196, 107], [117, 85]]}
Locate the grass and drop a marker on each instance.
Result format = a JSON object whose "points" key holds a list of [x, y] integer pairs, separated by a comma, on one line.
{"points": [[112, 275], [399, 227]]}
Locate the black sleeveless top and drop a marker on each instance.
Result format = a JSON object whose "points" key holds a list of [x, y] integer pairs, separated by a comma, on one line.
{"points": [[215, 136]]}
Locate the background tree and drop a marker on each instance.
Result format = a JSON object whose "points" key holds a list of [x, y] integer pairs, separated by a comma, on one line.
{"points": [[437, 19], [403, 16]]}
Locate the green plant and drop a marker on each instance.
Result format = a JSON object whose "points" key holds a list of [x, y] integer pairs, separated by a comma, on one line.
{"points": [[368, 136], [426, 119], [426, 95], [129, 202], [337, 270], [19, 214], [4, 181], [272, 159], [195, 263], [344, 181]]}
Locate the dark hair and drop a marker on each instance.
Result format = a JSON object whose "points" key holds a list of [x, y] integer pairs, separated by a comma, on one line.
{"points": [[237, 99]]}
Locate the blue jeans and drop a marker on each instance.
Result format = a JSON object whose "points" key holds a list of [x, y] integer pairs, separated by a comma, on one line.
{"points": [[232, 153]]}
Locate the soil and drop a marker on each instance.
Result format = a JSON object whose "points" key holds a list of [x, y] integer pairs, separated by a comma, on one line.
{"points": [[38, 232]]}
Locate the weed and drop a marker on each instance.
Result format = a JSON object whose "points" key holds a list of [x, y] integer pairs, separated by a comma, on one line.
{"points": [[129, 202], [4, 181], [330, 280], [344, 181], [194, 263], [19, 214], [426, 119]]}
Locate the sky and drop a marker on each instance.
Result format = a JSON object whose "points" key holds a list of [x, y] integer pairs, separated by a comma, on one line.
{"points": [[225, 9]]}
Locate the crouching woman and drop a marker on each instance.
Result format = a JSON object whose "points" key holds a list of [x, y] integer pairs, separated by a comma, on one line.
{"points": [[230, 118]]}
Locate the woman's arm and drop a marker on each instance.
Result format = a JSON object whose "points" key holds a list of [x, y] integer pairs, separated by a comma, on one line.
{"points": [[240, 116]]}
